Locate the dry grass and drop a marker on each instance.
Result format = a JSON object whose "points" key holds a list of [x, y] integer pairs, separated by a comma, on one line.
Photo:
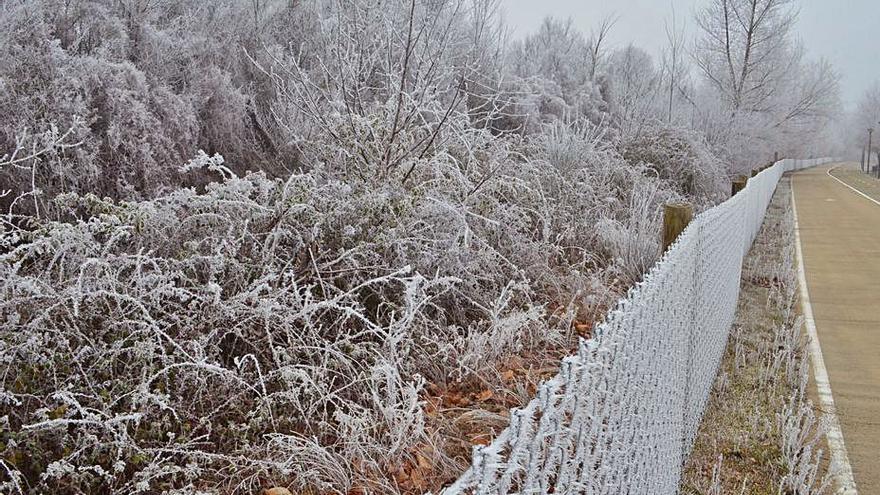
{"points": [[744, 444]]}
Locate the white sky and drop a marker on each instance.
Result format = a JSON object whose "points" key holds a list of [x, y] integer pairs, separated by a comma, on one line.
{"points": [[846, 32]]}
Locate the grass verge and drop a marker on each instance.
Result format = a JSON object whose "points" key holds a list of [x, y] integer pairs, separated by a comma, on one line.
{"points": [[760, 433]]}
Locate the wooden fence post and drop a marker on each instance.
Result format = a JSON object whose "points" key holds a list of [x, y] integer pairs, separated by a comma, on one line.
{"points": [[738, 184], [676, 216]]}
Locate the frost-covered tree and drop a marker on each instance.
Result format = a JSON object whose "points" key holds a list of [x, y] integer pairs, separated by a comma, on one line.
{"points": [[745, 49], [674, 69], [761, 94], [555, 76], [634, 88], [597, 46], [865, 115]]}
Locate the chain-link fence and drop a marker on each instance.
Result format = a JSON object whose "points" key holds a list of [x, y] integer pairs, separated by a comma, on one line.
{"points": [[622, 414]]}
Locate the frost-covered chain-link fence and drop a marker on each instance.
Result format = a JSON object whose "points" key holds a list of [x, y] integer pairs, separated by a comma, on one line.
{"points": [[622, 414]]}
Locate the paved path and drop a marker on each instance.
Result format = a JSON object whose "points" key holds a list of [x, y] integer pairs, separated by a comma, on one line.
{"points": [[840, 236]]}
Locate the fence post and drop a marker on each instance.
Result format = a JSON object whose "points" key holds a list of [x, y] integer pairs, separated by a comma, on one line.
{"points": [[687, 418], [676, 216], [775, 156], [738, 184]]}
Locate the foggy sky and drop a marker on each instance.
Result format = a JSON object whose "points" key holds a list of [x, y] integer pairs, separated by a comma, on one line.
{"points": [[846, 32]]}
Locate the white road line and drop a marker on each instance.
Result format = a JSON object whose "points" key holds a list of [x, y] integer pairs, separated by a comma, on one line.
{"points": [[839, 466], [869, 198]]}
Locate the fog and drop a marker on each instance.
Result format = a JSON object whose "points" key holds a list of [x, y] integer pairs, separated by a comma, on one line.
{"points": [[845, 32]]}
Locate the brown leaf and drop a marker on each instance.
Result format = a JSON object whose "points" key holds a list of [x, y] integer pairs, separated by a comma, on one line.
{"points": [[417, 481], [484, 395], [277, 491], [480, 440], [401, 475], [423, 462], [583, 329], [432, 406], [456, 399]]}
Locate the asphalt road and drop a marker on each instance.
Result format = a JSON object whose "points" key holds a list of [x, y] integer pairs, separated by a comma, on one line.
{"points": [[840, 237]]}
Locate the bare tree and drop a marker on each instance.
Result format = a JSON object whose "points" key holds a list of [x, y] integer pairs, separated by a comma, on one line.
{"points": [[813, 94], [634, 86], [553, 52], [745, 49], [761, 95], [597, 44], [673, 66], [866, 115], [867, 111]]}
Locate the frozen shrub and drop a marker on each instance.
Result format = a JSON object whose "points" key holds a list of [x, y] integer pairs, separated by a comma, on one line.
{"points": [[679, 157], [166, 345], [419, 211], [631, 242], [155, 343]]}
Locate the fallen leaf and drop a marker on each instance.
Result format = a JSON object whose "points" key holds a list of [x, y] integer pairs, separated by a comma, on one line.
{"points": [[456, 399], [277, 491], [480, 440], [423, 462], [583, 329], [432, 406]]}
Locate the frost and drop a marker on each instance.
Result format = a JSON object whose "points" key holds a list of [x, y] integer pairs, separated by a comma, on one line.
{"points": [[59, 469], [629, 403], [212, 163], [375, 197]]}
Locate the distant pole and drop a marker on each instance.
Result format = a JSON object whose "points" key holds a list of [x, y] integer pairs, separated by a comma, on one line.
{"points": [[862, 168], [775, 157], [676, 216], [878, 164], [870, 133]]}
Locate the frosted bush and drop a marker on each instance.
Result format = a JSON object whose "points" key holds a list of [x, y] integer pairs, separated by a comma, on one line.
{"points": [[178, 332], [418, 218], [632, 242], [218, 339], [681, 158]]}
